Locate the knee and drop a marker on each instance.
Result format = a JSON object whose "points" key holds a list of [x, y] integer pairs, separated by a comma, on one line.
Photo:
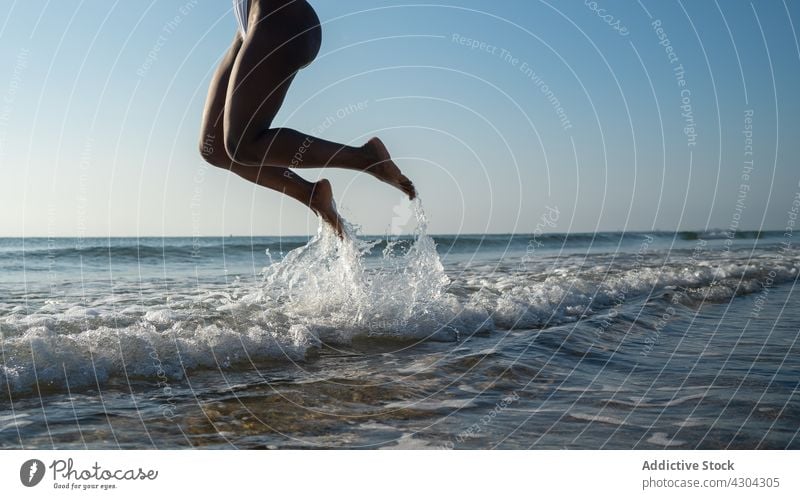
{"points": [[234, 149], [239, 147], [213, 152]]}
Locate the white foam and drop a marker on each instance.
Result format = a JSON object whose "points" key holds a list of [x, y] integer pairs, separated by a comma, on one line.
{"points": [[520, 301], [408, 442], [328, 291], [160, 316], [46, 359], [432, 405], [597, 418], [690, 423], [645, 402], [662, 439], [319, 292], [14, 425], [327, 287]]}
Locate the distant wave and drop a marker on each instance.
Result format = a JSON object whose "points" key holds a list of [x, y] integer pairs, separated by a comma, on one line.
{"points": [[186, 249], [580, 239], [720, 234], [181, 252]]}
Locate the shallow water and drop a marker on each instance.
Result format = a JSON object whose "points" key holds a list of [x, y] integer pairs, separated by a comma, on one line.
{"points": [[607, 340]]}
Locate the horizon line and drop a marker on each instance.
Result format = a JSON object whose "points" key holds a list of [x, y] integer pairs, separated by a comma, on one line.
{"points": [[636, 231]]}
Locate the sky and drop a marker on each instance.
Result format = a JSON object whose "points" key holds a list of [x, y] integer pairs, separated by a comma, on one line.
{"points": [[614, 115]]}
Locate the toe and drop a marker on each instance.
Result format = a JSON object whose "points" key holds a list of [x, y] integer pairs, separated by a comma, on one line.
{"points": [[409, 189]]}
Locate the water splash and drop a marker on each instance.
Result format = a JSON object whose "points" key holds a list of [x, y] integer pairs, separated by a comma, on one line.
{"points": [[328, 287]]}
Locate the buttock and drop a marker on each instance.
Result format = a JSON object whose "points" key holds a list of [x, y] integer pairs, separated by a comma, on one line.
{"points": [[293, 34]]}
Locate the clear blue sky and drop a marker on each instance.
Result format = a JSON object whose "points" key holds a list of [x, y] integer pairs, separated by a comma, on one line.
{"points": [[99, 138]]}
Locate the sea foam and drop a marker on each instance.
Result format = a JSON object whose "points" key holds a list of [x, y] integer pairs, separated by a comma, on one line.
{"points": [[332, 291], [323, 292]]}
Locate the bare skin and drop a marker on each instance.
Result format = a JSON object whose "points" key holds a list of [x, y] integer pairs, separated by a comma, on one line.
{"points": [[246, 92]]}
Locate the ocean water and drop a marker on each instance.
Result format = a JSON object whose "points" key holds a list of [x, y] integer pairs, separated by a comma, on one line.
{"points": [[609, 340]]}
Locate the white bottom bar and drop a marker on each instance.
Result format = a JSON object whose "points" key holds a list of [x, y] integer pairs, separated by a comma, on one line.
{"points": [[401, 473]]}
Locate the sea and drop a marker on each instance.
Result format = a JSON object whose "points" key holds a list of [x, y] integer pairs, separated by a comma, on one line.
{"points": [[610, 340]]}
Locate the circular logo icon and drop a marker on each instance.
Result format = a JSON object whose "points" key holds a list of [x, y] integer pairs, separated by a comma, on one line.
{"points": [[31, 472]]}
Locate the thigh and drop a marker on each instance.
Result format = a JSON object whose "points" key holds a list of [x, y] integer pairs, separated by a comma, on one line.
{"points": [[281, 39], [212, 130], [259, 82]]}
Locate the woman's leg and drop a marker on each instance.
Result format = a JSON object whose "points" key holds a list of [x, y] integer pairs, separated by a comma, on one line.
{"points": [[277, 45], [317, 196]]}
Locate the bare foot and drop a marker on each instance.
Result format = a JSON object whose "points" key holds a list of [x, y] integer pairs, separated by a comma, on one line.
{"points": [[322, 204], [384, 169]]}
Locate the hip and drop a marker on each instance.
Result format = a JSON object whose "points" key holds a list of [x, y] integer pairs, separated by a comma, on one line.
{"points": [[289, 28]]}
